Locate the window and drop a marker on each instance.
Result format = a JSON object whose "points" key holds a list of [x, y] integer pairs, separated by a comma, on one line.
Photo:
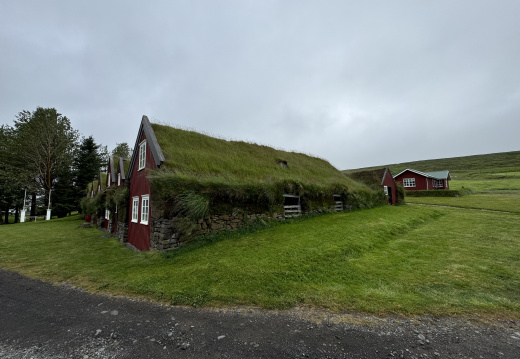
{"points": [[107, 213], [135, 209], [145, 206], [385, 188], [409, 182], [116, 209], [119, 179], [142, 155], [438, 183]]}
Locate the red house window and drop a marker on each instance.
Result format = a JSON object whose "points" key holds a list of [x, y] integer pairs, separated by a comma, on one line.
{"points": [[142, 155], [145, 206], [409, 182]]}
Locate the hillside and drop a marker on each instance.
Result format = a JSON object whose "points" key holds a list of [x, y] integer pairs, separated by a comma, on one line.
{"points": [[487, 166]]}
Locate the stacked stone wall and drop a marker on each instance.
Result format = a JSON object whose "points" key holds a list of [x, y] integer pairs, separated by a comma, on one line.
{"points": [[165, 235], [122, 232]]}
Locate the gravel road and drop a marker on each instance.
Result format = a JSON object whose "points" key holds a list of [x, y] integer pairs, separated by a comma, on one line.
{"points": [[40, 320]]}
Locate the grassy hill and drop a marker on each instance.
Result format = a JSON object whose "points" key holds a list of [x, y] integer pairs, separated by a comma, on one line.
{"points": [[482, 173], [487, 166]]}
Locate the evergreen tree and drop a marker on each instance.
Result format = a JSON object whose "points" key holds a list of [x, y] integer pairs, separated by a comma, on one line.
{"points": [[87, 163], [64, 195]]}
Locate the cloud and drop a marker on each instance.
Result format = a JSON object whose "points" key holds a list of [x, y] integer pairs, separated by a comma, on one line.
{"points": [[357, 83]]}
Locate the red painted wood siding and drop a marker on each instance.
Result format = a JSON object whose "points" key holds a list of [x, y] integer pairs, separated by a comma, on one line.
{"points": [[421, 182], [139, 234], [390, 183]]}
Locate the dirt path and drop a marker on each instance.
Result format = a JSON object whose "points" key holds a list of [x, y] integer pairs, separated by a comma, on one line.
{"points": [[39, 320]]}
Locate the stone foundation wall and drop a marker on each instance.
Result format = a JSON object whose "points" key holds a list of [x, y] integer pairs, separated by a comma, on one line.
{"points": [[122, 232], [165, 235]]}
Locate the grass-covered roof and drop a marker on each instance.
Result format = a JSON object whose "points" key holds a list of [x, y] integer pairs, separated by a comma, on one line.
{"points": [[200, 158], [237, 174], [372, 177]]}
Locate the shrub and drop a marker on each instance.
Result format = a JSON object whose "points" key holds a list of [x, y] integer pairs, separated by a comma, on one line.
{"points": [[438, 193], [400, 193]]}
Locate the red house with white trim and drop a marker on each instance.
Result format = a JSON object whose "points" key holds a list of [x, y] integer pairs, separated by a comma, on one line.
{"points": [[147, 155], [413, 180]]}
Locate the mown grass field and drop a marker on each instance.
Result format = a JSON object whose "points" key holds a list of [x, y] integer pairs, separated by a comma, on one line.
{"points": [[406, 260]]}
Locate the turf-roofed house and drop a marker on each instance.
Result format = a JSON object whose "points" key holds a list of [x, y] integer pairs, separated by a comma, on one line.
{"points": [[183, 184], [96, 189], [380, 178], [115, 191]]}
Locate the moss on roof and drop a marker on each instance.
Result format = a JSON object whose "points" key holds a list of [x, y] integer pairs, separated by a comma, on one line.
{"points": [[197, 158], [126, 165], [103, 180]]}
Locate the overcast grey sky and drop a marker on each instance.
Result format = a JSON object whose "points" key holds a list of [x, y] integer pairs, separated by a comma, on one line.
{"points": [[358, 83]]}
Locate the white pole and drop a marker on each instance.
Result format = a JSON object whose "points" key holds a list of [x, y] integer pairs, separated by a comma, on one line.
{"points": [[49, 207], [22, 218]]}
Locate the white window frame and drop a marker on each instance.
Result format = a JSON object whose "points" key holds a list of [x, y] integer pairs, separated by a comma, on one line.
{"points": [[142, 155], [119, 179], [385, 189], [135, 209], [145, 208], [107, 213], [408, 182], [439, 183]]}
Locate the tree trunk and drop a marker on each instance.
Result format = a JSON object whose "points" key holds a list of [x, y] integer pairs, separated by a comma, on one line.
{"points": [[33, 205], [6, 215], [17, 215]]}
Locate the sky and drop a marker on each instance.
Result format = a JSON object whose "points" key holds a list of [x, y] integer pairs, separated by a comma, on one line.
{"points": [[358, 83]]}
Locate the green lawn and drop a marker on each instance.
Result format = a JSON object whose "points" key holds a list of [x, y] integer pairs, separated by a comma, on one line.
{"points": [[487, 185], [496, 201], [407, 260]]}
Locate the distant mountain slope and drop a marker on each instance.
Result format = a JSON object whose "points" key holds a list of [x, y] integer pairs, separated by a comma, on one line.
{"points": [[466, 166]]}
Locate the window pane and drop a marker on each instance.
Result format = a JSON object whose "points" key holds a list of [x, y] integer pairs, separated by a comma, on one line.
{"points": [[145, 209]]}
